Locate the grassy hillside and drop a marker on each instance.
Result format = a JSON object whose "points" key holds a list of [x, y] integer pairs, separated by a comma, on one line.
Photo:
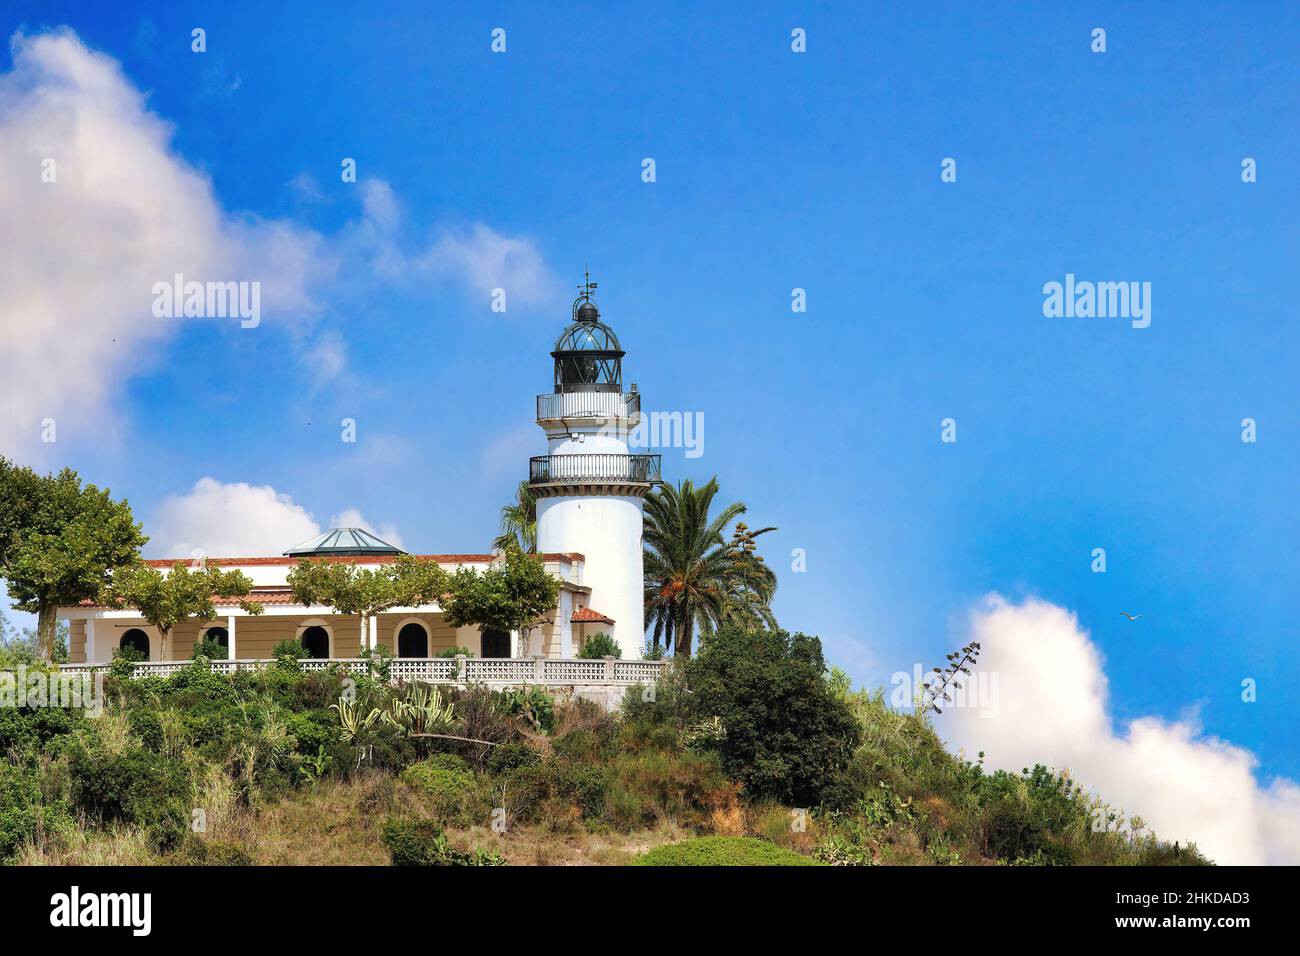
{"points": [[260, 768]]}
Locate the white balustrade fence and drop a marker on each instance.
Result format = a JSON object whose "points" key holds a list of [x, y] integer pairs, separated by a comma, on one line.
{"points": [[461, 671]]}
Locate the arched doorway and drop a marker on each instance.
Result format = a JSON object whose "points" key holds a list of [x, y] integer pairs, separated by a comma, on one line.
{"points": [[221, 636], [137, 640], [413, 640], [317, 641], [495, 643]]}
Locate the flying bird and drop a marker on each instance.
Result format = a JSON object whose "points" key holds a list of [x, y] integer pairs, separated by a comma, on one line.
{"points": [[1131, 617]]}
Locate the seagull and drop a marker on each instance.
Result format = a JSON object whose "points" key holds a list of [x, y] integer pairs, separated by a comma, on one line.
{"points": [[1131, 617]]}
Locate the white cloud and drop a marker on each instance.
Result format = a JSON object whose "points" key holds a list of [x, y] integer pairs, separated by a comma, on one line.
{"points": [[306, 188], [82, 253], [476, 258], [483, 259], [1052, 706], [240, 520], [508, 454], [125, 211], [327, 357]]}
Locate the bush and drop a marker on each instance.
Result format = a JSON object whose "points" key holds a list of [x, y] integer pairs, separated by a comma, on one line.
{"points": [[24, 730], [511, 755], [723, 851], [421, 843], [136, 786], [124, 660], [291, 647], [210, 648], [777, 725], [551, 787], [656, 716], [454, 652], [451, 787], [652, 786], [531, 704], [600, 646], [26, 817], [481, 717]]}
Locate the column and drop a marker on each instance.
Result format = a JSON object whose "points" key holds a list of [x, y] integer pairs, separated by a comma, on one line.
{"points": [[566, 626], [230, 629], [90, 640], [374, 631]]}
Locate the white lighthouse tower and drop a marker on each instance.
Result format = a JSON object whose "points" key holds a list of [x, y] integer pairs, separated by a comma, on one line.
{"points": [[589, 489]]}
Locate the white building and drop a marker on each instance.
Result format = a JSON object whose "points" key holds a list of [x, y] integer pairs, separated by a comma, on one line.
{"points": [[589, 493]]}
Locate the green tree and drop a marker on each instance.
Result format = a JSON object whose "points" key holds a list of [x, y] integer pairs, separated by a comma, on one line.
{"points": [[165, 600], [519, 522], [364, 592], [514, 594], [61, 543], [695, 579], [784, 732]]}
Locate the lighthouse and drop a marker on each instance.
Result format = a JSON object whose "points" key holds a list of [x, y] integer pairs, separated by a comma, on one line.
{"points": [[590, 489]]}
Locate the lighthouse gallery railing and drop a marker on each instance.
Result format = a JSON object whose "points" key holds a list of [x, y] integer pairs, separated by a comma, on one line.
{"points": [[545, 469]]}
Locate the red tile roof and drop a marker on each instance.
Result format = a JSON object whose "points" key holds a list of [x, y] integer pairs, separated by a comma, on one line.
{"points": [[587, 615], [562, 556]]}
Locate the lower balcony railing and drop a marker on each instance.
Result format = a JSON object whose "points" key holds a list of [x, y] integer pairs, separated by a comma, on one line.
{"points": [[632, 469], [462, 671]]}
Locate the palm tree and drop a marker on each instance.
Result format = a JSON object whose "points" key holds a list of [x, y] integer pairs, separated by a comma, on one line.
{"points": [[696, 580], [519, 522]]}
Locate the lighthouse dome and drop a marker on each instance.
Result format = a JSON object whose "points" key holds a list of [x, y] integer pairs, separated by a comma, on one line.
{"points": [[587, 355]]}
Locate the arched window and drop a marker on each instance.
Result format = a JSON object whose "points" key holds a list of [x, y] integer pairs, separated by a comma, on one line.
{"points": [[495, 643], [220, 635], [413, 641], [317, 641], [137, 640]]}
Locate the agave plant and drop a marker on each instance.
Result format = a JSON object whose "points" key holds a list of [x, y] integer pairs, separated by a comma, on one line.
{"points": [[420, 712], [351, 721]]}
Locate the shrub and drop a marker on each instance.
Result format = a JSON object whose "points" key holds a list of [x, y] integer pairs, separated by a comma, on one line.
{"points": [[547, 787], [124, 661], [783, 733], [146, 725], [600, 646], [455, 652], [25, 817], [422, 843], [656, 716], [481, 717], [450, 786], [24, 730], [136, 786], [722, 851], [534, 706], [290, 648], [511, 755], [210, 648], [312, 730], [652, 786]]}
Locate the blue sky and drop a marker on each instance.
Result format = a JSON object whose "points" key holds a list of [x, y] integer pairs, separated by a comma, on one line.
{"points": [[776, 171]]}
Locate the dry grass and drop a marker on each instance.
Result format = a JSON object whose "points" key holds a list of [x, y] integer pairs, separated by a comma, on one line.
{"points": [[339, 822], [126, 846]]}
